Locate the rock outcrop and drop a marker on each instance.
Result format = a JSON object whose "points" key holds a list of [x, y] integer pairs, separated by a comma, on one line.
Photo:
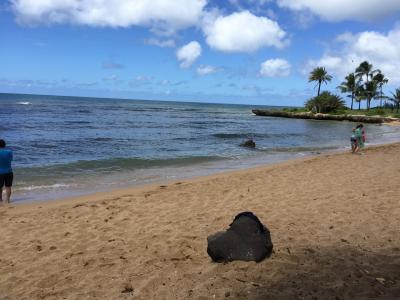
{"points": [[319, 116]]}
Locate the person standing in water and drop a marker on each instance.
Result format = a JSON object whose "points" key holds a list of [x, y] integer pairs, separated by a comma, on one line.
{"points": [[353, 141], [363, 134], [360, 135], [6, 173]]}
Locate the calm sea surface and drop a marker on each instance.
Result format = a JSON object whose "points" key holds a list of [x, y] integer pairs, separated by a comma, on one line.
{"points": [[66, 146]]}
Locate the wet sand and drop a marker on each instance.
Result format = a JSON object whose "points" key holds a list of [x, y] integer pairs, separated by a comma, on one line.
{"points": [[334, 221]]}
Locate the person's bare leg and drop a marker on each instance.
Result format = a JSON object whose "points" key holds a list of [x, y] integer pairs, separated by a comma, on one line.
{"points": [[8, 194], [1, 194]]}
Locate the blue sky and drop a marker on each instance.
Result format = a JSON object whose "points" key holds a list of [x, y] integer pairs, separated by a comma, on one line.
{"points": [[233, 51]]}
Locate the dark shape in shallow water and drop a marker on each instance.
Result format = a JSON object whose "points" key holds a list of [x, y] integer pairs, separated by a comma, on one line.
{"points": [[249, 144], [246, 239]]}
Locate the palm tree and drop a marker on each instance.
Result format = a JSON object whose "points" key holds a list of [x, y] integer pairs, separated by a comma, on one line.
{"points": [[319, 75], [371, 91], [380, 80], [396, 99], [349, 86], [366, 69], [360, 95]]}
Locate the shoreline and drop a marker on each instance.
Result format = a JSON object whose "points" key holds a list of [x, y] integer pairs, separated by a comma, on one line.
{"points": [[333, 220], [149, 186], [200, 173], [131, 188], [162, 181]]}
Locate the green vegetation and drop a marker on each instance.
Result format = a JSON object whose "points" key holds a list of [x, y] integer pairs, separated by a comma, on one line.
{"points": [[349, 86], [381, 80], [364, 84], [396, 99], [325, 103], [319, 75], [295, 109], [383, 112], [368, 90]]}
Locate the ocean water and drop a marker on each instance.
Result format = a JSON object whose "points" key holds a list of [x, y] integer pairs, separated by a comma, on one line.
{"points": [[66, 146]]}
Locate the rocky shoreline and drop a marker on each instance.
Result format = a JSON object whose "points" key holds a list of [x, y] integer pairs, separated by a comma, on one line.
{"points": [[319, 116]]}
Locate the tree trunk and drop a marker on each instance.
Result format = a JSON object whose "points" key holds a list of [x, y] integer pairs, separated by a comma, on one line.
{"points": [[359, 105], [319, 87], [366, 88], [352, 98]]}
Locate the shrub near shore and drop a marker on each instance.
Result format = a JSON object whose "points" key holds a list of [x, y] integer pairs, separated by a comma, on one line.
{"points": [[325, 103]]}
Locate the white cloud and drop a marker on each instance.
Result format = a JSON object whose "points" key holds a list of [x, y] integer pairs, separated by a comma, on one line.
{"points": [[188, 54], [114, 13], [242, 32], [169, 43], [141, 80], [382, 50], [206, 70], [338, 10], [254, 5], [275, 68]]}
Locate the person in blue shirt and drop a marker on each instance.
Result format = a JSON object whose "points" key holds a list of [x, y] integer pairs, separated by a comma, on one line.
{"points": [[6, 173]]}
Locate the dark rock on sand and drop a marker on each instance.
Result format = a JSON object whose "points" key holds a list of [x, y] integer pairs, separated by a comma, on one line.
{"points": [[249, 144], [246, 239]]}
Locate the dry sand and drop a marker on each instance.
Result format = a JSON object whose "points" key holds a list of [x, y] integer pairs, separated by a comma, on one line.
{"points": [[334, 219]]}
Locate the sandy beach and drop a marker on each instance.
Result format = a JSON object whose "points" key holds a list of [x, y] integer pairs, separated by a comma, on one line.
{"points": [[334, 221]]}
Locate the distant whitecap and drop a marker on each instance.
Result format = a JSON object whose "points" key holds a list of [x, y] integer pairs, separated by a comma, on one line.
{"points": [[24, 103]]}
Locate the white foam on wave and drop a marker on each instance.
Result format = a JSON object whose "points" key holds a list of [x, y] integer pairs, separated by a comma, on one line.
{"points": [[24, 103], [39, 187]]}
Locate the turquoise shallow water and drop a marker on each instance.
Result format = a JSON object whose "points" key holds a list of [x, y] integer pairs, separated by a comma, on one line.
{"points": [[71, 145]]}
